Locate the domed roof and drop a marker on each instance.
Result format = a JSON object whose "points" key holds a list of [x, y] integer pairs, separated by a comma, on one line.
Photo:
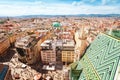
{"points": [[56, 24]]}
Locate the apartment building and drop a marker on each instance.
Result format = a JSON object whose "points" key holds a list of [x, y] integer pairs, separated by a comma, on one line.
{"points": [[4, 43], [68, 51], [48, 54], [27, 49]]}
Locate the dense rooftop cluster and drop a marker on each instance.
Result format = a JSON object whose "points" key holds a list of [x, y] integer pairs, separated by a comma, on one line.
{"points": [[48, 45]]}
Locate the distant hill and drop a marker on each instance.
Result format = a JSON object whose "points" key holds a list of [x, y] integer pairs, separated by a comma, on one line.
{"points": [[78, 15], [100, 15]]}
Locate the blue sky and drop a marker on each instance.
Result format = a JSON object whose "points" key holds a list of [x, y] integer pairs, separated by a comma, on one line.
{"points": [[58, 7]]}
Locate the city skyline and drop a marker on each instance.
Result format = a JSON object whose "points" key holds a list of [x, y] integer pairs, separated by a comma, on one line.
{"points": [[58, 7]]}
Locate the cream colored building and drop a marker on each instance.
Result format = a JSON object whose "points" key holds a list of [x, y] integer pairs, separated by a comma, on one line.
{"points": [[67, 56], [48, 56], [68, 51]]}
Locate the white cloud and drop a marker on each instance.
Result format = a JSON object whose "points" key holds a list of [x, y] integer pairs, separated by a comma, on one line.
{"points": [[75, 3], [55, 9], [82, 2], [104, 2]]}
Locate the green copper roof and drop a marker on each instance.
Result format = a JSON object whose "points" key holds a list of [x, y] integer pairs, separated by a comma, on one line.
{"points": [[101, 60], [75, 72], [114, 33], [56, 24]]}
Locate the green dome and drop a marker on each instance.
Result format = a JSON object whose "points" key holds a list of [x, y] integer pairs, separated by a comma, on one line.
{"points": [[56, 24]]}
